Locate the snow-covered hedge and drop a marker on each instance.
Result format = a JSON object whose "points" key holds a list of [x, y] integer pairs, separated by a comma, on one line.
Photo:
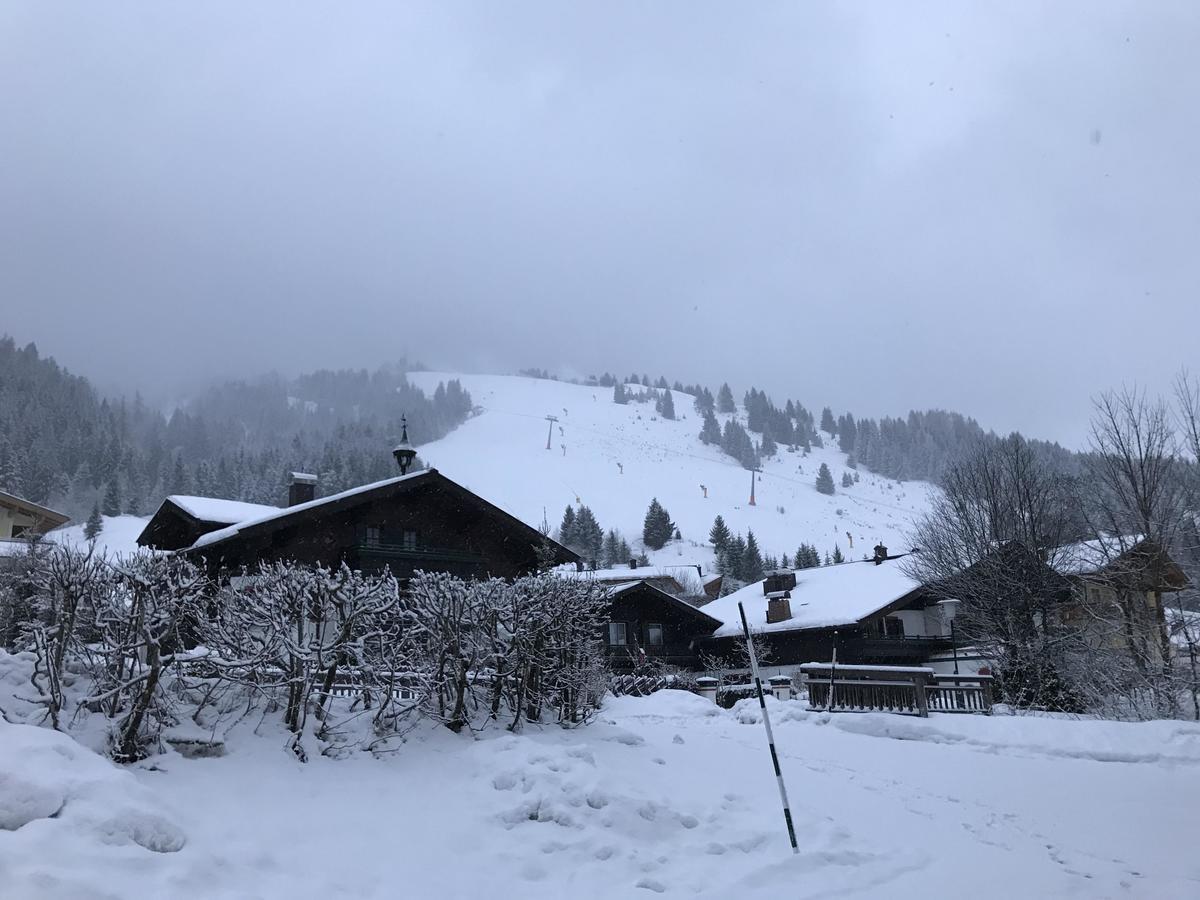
{"points": [[154, 647]]}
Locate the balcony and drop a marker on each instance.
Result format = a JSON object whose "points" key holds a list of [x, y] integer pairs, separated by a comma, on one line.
{"points": [[415, 555]]}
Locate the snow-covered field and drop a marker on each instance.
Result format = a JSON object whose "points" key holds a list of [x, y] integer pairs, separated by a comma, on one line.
{"points": [[118, 536], [501, 454], [666, 794]]}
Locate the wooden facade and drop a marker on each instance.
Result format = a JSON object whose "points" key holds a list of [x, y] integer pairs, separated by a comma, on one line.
{"points": [[174, 528], [422, 521], [648, 625], [21, 518]]}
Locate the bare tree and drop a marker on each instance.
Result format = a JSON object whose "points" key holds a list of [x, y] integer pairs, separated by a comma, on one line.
{"points": [[67, 583], [1186, 625], [1135, 506], [152, 597], [994, 540]]}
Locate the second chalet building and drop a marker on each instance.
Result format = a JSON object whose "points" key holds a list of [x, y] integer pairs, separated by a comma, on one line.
{"points": [[871, 611]]}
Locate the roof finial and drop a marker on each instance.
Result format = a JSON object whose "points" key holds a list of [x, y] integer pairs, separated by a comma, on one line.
{"points": [[404, 452]]}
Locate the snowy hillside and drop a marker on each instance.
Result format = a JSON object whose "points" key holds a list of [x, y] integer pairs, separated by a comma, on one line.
{"points": [[619, 456], [118, 536]]}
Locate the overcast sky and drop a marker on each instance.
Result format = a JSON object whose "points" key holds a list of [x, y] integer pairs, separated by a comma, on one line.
{"points": [[993, 208]]}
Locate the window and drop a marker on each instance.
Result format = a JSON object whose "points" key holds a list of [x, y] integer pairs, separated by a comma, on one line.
{"points": [[894, 627], [654, 635], [410, 540], [374, 534], [616, 634]]}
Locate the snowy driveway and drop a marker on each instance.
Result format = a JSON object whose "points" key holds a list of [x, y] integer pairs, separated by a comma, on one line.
{"points": [[667, 794]]}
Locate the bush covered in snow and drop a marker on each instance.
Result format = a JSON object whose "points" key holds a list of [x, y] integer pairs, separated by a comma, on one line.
{"points": [[156, 649]]}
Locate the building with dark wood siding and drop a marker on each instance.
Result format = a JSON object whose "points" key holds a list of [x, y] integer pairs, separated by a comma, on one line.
{"points": [[421, 521], [647, 624]]}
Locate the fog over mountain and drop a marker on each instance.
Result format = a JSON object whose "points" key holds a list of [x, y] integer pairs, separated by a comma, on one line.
{"points": [[879, 206]]}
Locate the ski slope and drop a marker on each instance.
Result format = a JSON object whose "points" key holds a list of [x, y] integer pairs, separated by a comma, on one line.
{"points": [[614, 458]]}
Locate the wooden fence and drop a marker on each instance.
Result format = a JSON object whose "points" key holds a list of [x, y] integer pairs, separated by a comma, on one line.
{"points": [[897, 689], [960, 694]]}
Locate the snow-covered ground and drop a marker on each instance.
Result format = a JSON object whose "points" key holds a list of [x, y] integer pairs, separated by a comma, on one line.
{"points": [[117, 538], [666, 794], [619, 456]]}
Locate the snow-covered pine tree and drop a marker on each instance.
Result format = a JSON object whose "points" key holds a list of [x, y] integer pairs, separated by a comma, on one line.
{"points": [[620, 395], [112, 498], [566, 530], [828, 425], [766, 447], [847, 432], [725, 402], [734, 557], [837, 554], [657, 528], [589, 537], [94, 524], [847, 479], [610, 553], [719, 535], [752, 563], [710, 433], [825, 480], [807, 557], [665, 405]]}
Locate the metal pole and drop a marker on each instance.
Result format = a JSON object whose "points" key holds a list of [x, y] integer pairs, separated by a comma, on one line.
{"points": [[752, 471], [762, 704], [550, 433], [832, 670], [953, 645]]}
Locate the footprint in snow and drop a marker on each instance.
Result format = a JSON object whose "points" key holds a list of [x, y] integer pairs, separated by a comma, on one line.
{"points": [[651, 884]]}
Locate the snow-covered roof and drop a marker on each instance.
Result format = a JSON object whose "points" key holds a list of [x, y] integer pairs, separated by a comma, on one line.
{"points": [[1089, 557], [228, 512], [623, 573], [824, 597], [275, 513], [621, 588]]}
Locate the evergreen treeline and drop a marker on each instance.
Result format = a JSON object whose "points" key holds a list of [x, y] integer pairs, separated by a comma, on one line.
{"points": [[580, 531], [64, 445], [920, 446]]}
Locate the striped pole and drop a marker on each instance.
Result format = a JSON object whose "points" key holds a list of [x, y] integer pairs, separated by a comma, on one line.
{"points": [[762, 703]]}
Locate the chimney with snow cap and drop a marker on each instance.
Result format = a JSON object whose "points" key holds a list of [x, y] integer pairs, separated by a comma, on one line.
{"points": [[777, 587], [880, 553], [303, 487]]}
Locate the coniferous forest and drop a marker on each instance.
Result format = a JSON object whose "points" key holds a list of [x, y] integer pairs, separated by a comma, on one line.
{"points": [[64, 445]]}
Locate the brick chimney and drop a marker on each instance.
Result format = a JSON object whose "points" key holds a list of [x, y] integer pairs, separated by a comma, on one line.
{"points": [[779, 607], [303, 488], [777, 589]]}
